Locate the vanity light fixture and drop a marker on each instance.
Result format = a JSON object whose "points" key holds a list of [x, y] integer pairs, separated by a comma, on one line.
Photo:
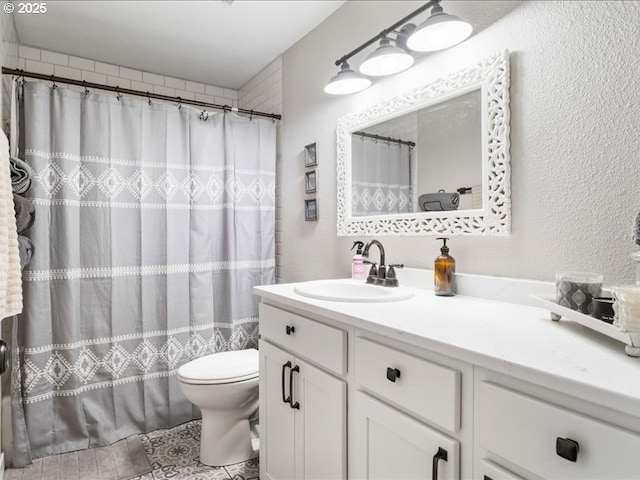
{"points": [[439, 31], [387, 59], [346, 81]]}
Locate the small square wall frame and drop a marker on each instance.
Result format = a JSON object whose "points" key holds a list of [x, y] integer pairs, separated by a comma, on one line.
{"points": [[311, 210], [310, 182], [310, 155]]}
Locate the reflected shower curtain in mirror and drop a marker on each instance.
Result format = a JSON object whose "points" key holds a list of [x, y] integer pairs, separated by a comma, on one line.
{"points": [[381, 177], [152, 226]]}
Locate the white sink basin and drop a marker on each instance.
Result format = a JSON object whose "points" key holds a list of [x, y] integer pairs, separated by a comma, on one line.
{"points": [[347, 290]]}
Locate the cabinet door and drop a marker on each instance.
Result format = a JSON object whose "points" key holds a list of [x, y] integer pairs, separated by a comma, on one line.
{"points": [[276, 417], [390, 445], [321, 424]]}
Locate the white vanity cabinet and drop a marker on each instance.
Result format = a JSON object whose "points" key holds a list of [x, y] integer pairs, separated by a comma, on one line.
{"points": [[302, 407], [545, 440], [433, 388], [397, 395]]}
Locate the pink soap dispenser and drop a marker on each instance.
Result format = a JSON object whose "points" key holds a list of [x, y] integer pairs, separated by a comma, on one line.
{"points": [[358, 267]]}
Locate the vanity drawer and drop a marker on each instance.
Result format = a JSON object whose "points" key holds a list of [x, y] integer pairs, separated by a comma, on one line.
{"points": [[323, 344], [422, 387], [528, 432], [491, 471]]}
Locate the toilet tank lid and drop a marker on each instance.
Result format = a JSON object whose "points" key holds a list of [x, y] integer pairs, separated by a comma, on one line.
{"points": [[222, 366]]}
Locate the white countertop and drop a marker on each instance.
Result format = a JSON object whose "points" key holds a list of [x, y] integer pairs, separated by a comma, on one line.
{"points": [[516, 340]]}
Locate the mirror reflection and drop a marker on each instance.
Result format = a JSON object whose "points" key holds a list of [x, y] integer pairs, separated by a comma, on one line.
{"points": [[431, 161], [424, 161]]}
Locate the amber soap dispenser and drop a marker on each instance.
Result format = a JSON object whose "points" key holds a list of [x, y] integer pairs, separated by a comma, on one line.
{"points": [[443, 272]]}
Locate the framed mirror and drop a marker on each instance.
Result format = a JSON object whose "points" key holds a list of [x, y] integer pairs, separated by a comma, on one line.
{"points": [[434, 161]]}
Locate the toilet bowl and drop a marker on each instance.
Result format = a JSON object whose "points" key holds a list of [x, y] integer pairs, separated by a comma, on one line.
{"points": [[224, 386]]}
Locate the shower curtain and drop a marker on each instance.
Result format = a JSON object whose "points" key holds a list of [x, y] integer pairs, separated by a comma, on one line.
{"points": [[153, 223], [381, 178]]}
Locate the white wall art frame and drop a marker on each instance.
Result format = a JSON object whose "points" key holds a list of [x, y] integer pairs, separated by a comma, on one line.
{"points": [[491, 76]]}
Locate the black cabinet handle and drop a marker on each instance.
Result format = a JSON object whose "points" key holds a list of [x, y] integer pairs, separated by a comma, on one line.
{"points": [[441, 454], [567, 448], [393, 374], [291, 372], [290, 329], [285, 399], [4, 357], [487, 477]]}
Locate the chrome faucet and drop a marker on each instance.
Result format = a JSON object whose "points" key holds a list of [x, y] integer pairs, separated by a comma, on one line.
{"points": [[378, 275]]}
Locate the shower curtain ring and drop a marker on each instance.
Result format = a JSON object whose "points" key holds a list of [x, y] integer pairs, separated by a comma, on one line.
{"points": [[251, 116], [179, 103], [204, 116], [118, 95], [21, 81], [149, 98], [53, 80], [84, 84]]}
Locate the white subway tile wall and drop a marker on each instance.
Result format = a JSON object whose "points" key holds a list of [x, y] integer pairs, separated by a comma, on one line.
{"points": [[264, 93], [55, 63]]}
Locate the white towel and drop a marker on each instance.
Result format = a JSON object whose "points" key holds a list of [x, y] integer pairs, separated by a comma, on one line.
{"points": [[10, 275]]}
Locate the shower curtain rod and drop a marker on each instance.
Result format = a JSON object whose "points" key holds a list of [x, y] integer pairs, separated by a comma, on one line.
{"points": [[138, 93], [386, 139]]}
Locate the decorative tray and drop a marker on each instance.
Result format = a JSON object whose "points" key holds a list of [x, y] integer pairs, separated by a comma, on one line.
{"points": [[630, 339]]}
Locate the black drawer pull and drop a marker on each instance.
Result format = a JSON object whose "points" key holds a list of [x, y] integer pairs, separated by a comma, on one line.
{"points": [[291, 372], [290, 329], [487, 477], [567, 448], [393, 374], [441, 454], [285, 399]]}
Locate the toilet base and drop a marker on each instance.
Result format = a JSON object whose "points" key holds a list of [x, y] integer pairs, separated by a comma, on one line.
{"points": [[225, 441], [229, 406]]}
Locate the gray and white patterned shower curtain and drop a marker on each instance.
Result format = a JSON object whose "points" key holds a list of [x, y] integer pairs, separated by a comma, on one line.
{"points": [[381, 178], [152, 226]]}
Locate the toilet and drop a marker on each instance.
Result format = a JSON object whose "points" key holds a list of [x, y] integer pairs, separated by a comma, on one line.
{"points": [[225, 388]]}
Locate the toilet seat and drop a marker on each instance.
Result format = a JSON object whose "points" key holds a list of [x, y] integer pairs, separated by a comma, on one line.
{"points": [[220, 368]]}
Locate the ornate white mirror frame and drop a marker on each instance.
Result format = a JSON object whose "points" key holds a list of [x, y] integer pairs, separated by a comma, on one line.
{"points": [[491, 75]]}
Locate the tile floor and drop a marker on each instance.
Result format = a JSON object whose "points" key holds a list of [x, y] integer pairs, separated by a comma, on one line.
{"points": [[173, 454]]}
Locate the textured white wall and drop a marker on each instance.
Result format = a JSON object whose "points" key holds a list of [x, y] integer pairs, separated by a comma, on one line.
{"points": [[575, 118]]}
